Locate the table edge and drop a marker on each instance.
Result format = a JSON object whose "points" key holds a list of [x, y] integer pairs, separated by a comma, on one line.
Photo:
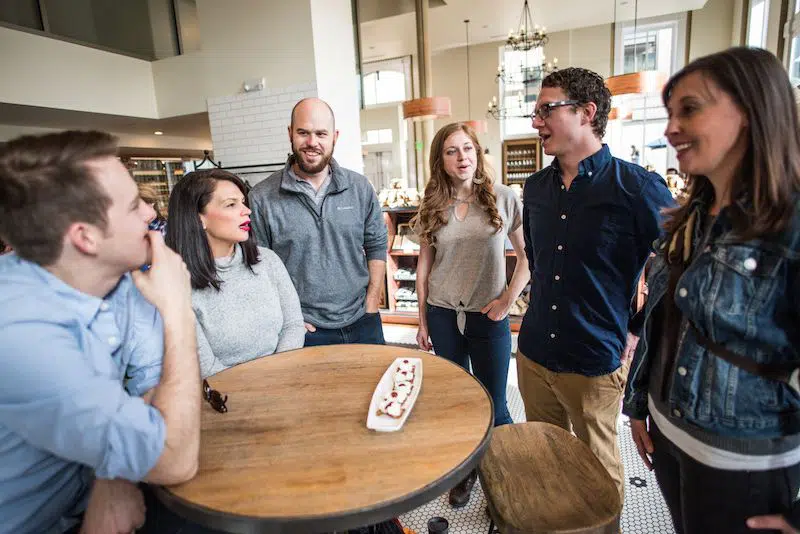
{"points": [[242, 524]]}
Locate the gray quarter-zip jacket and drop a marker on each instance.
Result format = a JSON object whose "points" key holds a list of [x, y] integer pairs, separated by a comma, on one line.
{"points": [[325, 248]]}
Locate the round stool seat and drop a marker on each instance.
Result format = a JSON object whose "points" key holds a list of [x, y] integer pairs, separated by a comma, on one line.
{"points": [[538, 477]]}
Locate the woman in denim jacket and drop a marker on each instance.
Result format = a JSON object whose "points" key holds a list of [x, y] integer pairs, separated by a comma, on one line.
{"points": [[715, 371]]}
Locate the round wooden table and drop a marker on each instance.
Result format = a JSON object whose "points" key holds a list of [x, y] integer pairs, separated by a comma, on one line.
{"points": [[293, 453]]}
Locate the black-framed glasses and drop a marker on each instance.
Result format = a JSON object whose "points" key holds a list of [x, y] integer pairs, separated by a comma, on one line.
{"points": [[214, 398], [545, 110]]}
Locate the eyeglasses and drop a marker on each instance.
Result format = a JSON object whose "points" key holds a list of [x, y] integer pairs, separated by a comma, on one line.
{"points": [[545, 110], [214, 398]]}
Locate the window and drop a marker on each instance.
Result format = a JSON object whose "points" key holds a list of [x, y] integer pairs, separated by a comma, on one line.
{"points": [[792, 31], [375, 137], [641, 50], [143, 29], [651, 44], [385, 82], [757, 23], [382, 87], [519, 89], [656, 43]]}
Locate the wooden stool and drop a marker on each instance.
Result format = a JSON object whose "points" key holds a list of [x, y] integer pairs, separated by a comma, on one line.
{"points": [[539, 478]]}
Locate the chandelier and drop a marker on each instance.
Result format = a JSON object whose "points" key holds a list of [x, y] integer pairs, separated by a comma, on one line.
{"points": [[527, 35], [523, 78]]}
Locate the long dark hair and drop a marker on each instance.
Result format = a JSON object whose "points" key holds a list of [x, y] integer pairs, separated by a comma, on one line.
{"points": [[185, 234], [764, 188]]}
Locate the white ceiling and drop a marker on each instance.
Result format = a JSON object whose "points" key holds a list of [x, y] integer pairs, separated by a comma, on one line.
{"points": [[490, 20]]}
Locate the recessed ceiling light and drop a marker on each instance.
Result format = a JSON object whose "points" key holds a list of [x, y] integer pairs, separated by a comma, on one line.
{"points": [[158, 132]]}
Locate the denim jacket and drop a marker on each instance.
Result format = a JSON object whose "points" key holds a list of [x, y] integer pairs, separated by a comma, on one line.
{"points": [[745, 296]]}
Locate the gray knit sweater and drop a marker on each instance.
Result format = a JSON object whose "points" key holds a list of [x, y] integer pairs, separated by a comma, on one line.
{"points": [[252, 315]]}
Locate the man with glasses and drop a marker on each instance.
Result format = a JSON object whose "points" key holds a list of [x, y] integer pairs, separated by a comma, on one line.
{"points": [[589, 222]]}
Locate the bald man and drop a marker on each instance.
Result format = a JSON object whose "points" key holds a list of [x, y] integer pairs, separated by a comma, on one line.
{"points": [[325, 223]]}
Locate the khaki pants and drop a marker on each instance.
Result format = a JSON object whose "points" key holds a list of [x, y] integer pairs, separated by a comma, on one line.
{"points": [[587, 406]]}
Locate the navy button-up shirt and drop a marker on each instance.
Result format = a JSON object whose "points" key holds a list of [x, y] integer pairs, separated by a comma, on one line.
{"points": [[587, 246]]}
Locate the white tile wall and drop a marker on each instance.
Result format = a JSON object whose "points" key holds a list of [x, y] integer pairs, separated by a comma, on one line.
{"points": [[250, 128]]}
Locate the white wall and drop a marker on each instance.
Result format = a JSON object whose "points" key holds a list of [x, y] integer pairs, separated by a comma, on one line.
{"points": [[337, 82], [251, 128], [450, 79], [254, 38], [713, 27], [40, 71]]}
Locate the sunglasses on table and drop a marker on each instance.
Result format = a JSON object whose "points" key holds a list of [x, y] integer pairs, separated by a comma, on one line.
{"points": [[214, 398], [545, 110]]}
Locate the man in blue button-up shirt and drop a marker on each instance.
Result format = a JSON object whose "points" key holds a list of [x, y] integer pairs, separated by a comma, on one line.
{"points": [[589, 223], [99, 376]]}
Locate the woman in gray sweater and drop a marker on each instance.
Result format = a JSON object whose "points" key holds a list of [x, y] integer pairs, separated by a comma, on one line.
{"points": [[243, 299]]}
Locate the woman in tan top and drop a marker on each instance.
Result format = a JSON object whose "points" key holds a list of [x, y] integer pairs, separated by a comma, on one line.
{"points": [[463, 223]]}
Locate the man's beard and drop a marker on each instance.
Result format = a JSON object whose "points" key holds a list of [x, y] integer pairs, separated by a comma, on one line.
{"points": [[312, 169]]}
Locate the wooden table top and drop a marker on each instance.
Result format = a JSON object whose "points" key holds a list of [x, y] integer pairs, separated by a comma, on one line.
{"points": [[293, 453]]}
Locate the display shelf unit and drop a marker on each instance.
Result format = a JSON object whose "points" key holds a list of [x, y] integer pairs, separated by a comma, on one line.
{"points": [[406, 258], [521, 158], [162, 174]]}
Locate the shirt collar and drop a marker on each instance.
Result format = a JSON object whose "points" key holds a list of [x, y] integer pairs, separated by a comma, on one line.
{"points": [[86, 306], [592, 164], [336, 176]]}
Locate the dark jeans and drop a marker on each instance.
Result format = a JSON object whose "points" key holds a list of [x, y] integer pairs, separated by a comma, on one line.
{"points": [[367, 330], [705, 500], [162, 520], [485, 343]]}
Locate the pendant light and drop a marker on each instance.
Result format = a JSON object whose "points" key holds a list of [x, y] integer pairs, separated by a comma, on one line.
{"points": [[637, 82], [479, 126]]}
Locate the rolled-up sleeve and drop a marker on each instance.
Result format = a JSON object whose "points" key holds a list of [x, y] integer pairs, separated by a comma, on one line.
{"points": [[147, 353], [55, 402]]}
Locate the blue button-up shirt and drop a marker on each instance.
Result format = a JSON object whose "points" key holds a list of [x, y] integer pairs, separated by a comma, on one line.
{"points": [[587, 246], [72, 371]]}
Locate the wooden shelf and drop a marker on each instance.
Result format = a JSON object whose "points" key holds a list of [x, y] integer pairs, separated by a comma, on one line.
{"points": [[515, 150], [149, 173]]}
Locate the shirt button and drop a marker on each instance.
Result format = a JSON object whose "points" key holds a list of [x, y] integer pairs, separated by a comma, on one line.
{"points": [[104, 306], [559, 247], [682, 371], [563, 187], [563, 216], [554, 307], [676, 412], [682, 292], [750, 264], [112, 340], [589, 173], [552, 336], [557, 277]]}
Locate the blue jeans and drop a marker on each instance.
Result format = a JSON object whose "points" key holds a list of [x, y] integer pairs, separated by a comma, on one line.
{"points": [[367, 330], [485, 343]]}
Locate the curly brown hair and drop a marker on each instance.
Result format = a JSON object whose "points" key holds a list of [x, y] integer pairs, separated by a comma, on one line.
{"points": [[433, 212], [584, 86]]}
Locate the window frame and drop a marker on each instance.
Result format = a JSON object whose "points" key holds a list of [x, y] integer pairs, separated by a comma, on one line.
{"points": [[399, 64], [764, 23], [678, 23], [791, 31]]}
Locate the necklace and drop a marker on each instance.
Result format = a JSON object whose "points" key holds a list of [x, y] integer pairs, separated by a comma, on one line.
{"points": [[463, 200]]}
